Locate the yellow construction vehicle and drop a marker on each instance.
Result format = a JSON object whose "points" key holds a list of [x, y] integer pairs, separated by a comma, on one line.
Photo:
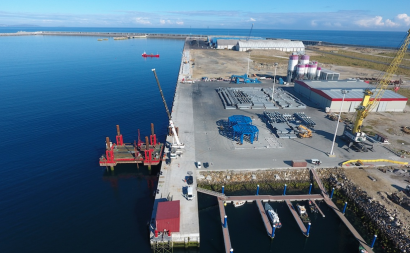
{"points": [[304, 132], [371, 98]]}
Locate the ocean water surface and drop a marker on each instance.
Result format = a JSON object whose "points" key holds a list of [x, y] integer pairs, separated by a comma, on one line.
{"points": [[61, 96]]}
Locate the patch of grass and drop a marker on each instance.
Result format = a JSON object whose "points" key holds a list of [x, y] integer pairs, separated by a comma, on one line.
{"points": [[344, 61], [392, 54]]}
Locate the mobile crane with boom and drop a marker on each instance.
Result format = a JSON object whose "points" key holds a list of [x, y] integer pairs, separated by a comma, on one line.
{"points": [[371, 99], [178, 144]]}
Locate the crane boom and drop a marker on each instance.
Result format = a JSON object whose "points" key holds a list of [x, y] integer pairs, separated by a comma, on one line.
{"points": [[171, 124], [162, 94], [367, 104], [250, 32]]}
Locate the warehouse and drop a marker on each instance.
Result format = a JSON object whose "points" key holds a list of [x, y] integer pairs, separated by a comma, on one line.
{"points": [[226, 44], [328, 96], [282, 45]]}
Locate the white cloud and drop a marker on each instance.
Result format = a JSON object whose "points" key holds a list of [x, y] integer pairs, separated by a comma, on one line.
{"points": [[378, 21], [162, 21], [142, 21], [404, 17], [252, 19], [390, 23], [179, 22], [313, 23], [369, 22]]}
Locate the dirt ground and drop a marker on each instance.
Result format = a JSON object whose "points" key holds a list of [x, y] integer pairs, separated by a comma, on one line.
{"points": [[224, 63]]}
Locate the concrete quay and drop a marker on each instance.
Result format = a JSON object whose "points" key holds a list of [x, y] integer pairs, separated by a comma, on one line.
{"points": [[171, 184]]}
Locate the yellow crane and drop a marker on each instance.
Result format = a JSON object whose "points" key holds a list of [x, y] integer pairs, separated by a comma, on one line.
{"points": [[354, 133]]}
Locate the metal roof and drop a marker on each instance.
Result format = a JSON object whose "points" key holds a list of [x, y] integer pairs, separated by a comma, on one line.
{"points": [[333, 90], [358, 94], [338, 85], [226, 42], [168, 209], [271, 43]]}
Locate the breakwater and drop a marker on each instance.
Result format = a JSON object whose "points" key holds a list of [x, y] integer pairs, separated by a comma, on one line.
{"points": [[107, 34], [373, 214]]}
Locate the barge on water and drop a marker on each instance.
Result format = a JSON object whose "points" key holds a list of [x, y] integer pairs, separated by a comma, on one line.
{"points": [[148, 153]]}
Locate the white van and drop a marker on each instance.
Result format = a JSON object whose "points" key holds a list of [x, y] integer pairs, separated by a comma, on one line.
{"points": [[190, 193], [198, 165]]}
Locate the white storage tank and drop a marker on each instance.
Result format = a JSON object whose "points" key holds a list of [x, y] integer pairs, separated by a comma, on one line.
{"points": [[304, 59], [301, 70], [319, 69], [312, 71], [293, 61]]}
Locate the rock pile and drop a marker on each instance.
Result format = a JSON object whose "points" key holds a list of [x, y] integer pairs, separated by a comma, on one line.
{"points": [[388, 222]]}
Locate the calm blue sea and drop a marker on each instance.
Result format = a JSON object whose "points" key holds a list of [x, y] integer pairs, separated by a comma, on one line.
{"points": [[60, 97], [367, 38]]}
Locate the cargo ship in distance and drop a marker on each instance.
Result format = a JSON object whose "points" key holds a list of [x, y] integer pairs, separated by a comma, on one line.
{"points": [[149, 55], [273, 216]]}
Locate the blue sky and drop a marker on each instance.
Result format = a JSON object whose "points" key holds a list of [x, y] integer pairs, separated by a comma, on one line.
{"points": [[393, 15]]}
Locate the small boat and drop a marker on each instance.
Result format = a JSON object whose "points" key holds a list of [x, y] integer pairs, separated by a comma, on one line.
{"points": [[362, 249], [238, 203], [312, 207], [149, 55], [273, 216], [303, 214]]}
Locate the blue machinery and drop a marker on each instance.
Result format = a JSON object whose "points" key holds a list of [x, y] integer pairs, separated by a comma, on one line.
{"points": [[242, 125], [239, 119], [244, 129], [243, 79]]}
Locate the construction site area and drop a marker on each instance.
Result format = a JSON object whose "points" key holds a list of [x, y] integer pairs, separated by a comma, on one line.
{"points": [[272, 109]]}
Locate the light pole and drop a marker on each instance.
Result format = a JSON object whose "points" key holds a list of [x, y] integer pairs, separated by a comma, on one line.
{"points": [[247, 72], [274, 79], [344, 92]]}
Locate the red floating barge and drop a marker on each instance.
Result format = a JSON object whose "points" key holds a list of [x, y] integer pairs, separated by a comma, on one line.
{"points": [[148, 153], [149, 55]]}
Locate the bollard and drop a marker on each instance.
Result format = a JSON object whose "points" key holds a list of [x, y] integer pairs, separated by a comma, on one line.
{"points": [[273, 231], [308, 229], [156, 233], [331, 195], [169, 232], [344, 208], [225, 221], [257, 190], [223, 189], [374, 240], [284, 190], [310, 189]]}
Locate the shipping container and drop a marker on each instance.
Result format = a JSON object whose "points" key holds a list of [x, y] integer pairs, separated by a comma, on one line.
{"points": [[168, 216], [299, 163]]}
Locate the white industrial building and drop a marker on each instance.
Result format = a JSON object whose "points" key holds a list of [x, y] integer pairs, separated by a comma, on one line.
{"points": [[282, 45], [226, 44], [328, 96]]}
